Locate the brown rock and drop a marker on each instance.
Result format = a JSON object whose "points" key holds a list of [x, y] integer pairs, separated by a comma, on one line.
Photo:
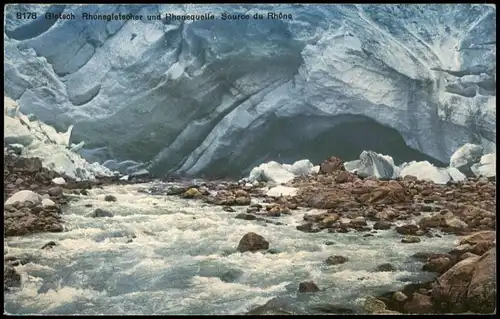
{"points": [[399, 296], [450, 290], [242, 201], [192, 193], [336, 260], [308, 286], [419, 304], [331, 165], [382, 225], [472, 239], [408, 229], [467, 255], [481, 247], [482, 291], [438, 263], [55, 191], [11, 277], [408, 239], [344, 177], [330, 220], [228, 209], [240, 193], [386, 267], [252, 242], [107, 198]]}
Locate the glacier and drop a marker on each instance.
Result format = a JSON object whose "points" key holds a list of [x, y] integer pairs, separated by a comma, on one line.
{"points": [[217, 97], [29, 137]]}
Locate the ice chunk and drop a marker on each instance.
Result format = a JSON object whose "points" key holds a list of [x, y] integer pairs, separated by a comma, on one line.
{"points": [[271, 172], [302, 167], [282, 191], [374, 164], [486, 166], [465, 157], [426, 171], [59, 181], [455, 174]]}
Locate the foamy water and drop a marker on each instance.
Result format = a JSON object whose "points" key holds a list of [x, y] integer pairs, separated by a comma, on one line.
{"points": [[183, 260]]}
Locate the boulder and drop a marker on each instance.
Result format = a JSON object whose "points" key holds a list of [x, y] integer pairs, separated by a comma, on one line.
{"points": [[192, 193], [477, 237], [24, 196], [110, 198], [308, 286], [100, 213], [451, 289], [252, 242], [382, 225], [48, 245], [11, 278], [386, 267], [55, 191], [336, 260], [331, 165], [419, 304], [373, 305], [482, 291], [439, 263], [48, 203], [455, 223], [399, 296], [408, 239]]}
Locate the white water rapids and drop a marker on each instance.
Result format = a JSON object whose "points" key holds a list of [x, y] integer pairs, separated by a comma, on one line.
{"points": [[184, 261]]}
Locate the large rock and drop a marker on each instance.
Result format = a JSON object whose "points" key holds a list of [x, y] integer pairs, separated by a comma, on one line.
{"points": [[482, 292], [451, 289], [419, 304], [331, 165], [486, 166], [11, 278], [465, 157], [252, 242], [475, 238], [373, 305], [308, 286], [24, 196]]}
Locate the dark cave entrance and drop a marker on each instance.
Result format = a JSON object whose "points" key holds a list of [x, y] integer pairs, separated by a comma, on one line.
{"points": [[287, 140]]}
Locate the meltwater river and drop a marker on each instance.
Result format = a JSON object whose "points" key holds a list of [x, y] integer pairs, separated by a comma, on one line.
{"points": [[183, 260]]}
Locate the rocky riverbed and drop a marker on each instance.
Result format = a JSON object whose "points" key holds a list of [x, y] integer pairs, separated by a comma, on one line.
{"points": [[341, 244]]}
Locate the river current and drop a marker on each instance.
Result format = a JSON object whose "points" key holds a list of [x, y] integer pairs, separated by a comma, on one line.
{"points": [[166, 255]]}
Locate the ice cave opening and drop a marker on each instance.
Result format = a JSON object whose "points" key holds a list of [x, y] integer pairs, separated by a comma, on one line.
{"points": [[287, 140]]}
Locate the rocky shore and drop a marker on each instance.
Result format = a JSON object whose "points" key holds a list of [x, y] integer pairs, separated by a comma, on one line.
{"points": [[345, 202], [338, 201]]}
